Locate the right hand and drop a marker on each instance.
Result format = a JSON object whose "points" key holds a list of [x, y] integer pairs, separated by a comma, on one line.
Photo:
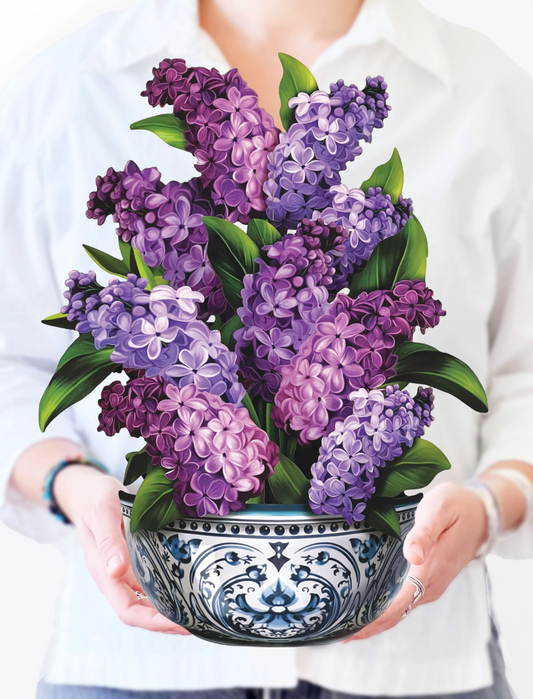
{"points": [[90, 499]]}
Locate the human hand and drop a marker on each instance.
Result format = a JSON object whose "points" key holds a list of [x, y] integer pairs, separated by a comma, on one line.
{"points": [[90, 499], [450, 526]]}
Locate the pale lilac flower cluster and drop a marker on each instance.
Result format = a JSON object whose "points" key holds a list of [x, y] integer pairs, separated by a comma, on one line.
{"points": [[81, 294], [164, 223], [381, 424], [283, 301], [353, 347], [229, 134], [326, 136], [370, 219], [215, 455]]}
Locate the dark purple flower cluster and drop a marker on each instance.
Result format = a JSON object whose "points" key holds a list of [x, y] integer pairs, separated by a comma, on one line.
{"points": [[283, 300], [369, 219], [353, 347], [326, 136], [381, 423], [229, 134], [164, 223], [215, 455]]}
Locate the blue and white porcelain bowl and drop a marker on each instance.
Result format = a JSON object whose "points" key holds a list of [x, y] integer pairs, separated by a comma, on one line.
{"points": [[272, 575]]}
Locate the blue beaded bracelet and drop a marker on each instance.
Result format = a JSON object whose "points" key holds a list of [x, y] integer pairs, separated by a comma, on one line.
{"points": [[48, 487]]}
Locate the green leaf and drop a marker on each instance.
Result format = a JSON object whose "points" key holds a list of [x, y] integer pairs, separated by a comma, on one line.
{"points": [[139, 464], [82, 345], [144, 270], [232, 254], [414, 469], [247, 403], [271, 429], [154, 507], [388, 176], [159, 281], [419, 363], [262, 232], [73, 381], [296, 78], [227, 331], [126, 252], [402, 256], [107, 262], [381, 515], [168, 127], [59, 320], [288, 483]]}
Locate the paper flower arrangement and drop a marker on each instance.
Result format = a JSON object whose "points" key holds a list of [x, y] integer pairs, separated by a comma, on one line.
{"points": [[262, 313]]}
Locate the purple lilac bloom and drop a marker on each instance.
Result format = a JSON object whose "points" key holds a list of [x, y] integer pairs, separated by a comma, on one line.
{"points": [[353, 347], [381, 424], [81, 294], [326, 136], [283, 301], [230, 135], [215, 455]]}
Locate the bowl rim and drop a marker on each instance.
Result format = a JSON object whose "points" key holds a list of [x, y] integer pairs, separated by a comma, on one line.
{"points": [[253, 511]]}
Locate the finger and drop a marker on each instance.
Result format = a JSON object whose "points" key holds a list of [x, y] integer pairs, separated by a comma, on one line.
{"points": [[105, 524], [435, 515]]}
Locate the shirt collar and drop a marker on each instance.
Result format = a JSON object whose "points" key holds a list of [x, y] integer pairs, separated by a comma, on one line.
{"points": [[151, 27]]}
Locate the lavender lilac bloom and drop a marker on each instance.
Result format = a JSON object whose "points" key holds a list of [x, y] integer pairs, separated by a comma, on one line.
{"points": [[326, 136], [216, 457], [283, 301], [158, 331], [353, 347], [229, 134], [381, 423]]}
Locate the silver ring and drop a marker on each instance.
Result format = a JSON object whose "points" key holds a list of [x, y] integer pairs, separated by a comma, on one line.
{"points": [[407, 611], [140, 595], [420, 588]]}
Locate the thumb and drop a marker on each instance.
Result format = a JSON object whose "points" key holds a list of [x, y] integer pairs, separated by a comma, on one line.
{"points": [[431, 520], [107, 529]]}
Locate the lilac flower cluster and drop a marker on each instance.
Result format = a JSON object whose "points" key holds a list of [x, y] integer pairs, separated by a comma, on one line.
{"points": [[81, 294], [283, 300], [382, 422], [229, 134], [215, 455], [325, 137], [370, 219], [353, 347], [158, 331], [164, 223]]}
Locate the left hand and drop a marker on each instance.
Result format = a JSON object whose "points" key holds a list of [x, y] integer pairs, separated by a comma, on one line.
{"points": [[450, 526]]}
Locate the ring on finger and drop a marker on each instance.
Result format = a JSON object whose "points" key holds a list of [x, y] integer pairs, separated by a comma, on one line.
{"points": [[419, 588], [140, 595]]}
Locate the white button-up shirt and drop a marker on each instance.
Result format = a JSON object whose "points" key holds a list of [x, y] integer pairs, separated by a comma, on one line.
{"points": [[461, 118]]}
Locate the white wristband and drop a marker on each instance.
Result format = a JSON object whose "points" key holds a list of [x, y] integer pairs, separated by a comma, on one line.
{"points": [[525, 486], [494, 514]]}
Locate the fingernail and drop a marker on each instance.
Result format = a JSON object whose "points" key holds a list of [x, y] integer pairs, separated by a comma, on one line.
{"points": [[113, 563], [416, 548]]}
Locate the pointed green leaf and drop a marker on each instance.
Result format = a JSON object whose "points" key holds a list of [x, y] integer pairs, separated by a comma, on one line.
{"points": [[159, 281], [402, 256], [232, 254], [247, 403], [73, 381], [419, 363], [228, 330], [381, 515], [289, 485], [144, 271], [168, 127], [388, 176], [296, 78], [126, 252], [139, 463], [82, 345], [414, 469], [154, 507], [262, 232], [107, 262], [59, 320]]}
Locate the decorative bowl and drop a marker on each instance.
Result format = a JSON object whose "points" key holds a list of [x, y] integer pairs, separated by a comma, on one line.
{"points": [[271, 575]]}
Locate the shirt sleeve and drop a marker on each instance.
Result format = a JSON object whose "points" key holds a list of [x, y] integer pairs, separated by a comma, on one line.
{"points": [[507, 429], [29, 350]]}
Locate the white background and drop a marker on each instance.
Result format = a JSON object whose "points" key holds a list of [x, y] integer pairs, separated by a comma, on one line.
{"points": [[31, 574]]}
